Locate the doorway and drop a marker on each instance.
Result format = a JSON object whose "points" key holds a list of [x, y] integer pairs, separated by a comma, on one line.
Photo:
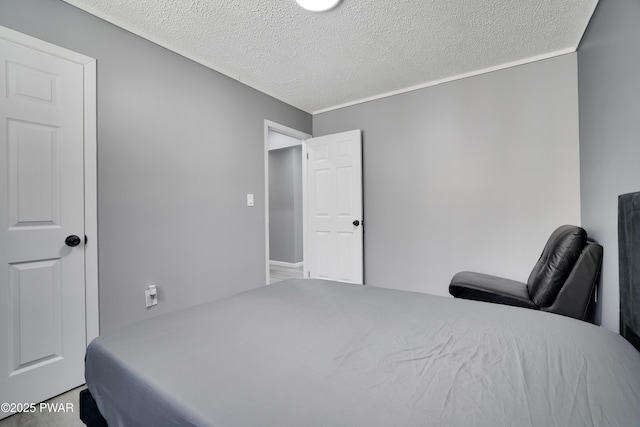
{"points": [[284, 201]]}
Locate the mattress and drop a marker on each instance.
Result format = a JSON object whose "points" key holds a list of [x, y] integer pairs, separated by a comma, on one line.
{"points": [[320, 353]]}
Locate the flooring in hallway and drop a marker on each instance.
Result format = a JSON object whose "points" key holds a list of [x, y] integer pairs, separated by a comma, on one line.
{"points": [[279, 273]]}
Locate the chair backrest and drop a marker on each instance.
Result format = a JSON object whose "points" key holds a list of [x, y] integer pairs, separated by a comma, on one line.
{"points": [[560, 254]]}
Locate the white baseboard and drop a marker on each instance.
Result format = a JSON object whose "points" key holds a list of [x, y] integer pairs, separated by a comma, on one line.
{"points": [[286, 264]]}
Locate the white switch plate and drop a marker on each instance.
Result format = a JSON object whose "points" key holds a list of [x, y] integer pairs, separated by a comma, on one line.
{"points": [[151, 296], [250, 200]]}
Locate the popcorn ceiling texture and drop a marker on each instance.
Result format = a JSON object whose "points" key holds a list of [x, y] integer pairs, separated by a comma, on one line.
{"points": [[360, 49]]}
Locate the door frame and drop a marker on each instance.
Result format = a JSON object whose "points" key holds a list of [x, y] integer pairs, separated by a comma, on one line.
{"points": [[92, 313], [273, 126]]}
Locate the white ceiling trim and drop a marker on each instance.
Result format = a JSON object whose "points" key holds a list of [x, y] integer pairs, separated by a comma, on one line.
{"points": [[450, 79]]}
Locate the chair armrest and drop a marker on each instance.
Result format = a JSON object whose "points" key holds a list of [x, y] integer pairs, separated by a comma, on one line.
{"points": [[484, 287], [575, 296]]}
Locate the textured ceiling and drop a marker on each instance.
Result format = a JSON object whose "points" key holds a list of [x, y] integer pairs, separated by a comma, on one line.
{"points": [[362, 49]]}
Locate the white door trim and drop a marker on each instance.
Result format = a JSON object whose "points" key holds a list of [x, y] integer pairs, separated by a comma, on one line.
{"points": [[269, 125], [90, 168]]}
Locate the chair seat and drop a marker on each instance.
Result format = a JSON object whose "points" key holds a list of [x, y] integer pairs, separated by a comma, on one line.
{"points": [[488, 288]]}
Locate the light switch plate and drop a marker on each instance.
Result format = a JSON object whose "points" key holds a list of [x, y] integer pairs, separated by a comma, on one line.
{"points": [[250, 200], [151, 296]]}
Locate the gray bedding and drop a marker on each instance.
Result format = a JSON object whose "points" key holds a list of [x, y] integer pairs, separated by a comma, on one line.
{"points": [[318, 353]]}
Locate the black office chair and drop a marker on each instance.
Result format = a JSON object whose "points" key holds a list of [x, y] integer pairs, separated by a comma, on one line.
{"points": [[563, 280]]}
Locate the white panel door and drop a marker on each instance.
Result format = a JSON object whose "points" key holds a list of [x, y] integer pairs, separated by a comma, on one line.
{"points": [[334, 236], [42, 278]]}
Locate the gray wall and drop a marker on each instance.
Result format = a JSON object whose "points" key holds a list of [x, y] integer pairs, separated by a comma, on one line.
{"points": [[474, 174], [298, 206], [285, 204], [609, 84], [179, 146]]}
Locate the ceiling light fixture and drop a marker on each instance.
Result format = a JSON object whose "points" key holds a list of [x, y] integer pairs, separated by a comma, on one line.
{"points": [[318, 5]]}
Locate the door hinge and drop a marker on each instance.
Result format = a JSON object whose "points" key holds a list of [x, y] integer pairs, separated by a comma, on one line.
{"points": [[307, 156]]}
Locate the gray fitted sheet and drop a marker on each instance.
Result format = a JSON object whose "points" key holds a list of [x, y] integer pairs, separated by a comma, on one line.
{"points": [[318, 353]]}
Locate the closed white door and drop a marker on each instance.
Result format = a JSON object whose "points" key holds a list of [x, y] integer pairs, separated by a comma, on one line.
{"points": [[42, 273], [334, 236]]}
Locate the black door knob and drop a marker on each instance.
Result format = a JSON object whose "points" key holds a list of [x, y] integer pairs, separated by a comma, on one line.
{"points": [[356, 223], [72, 240]]}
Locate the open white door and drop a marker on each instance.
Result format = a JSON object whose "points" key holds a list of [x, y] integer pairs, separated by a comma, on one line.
{"points": [[43, 328], [334, 229]]}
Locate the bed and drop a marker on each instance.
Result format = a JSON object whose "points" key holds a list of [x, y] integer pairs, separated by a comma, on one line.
{"points": [[321, 353]]}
